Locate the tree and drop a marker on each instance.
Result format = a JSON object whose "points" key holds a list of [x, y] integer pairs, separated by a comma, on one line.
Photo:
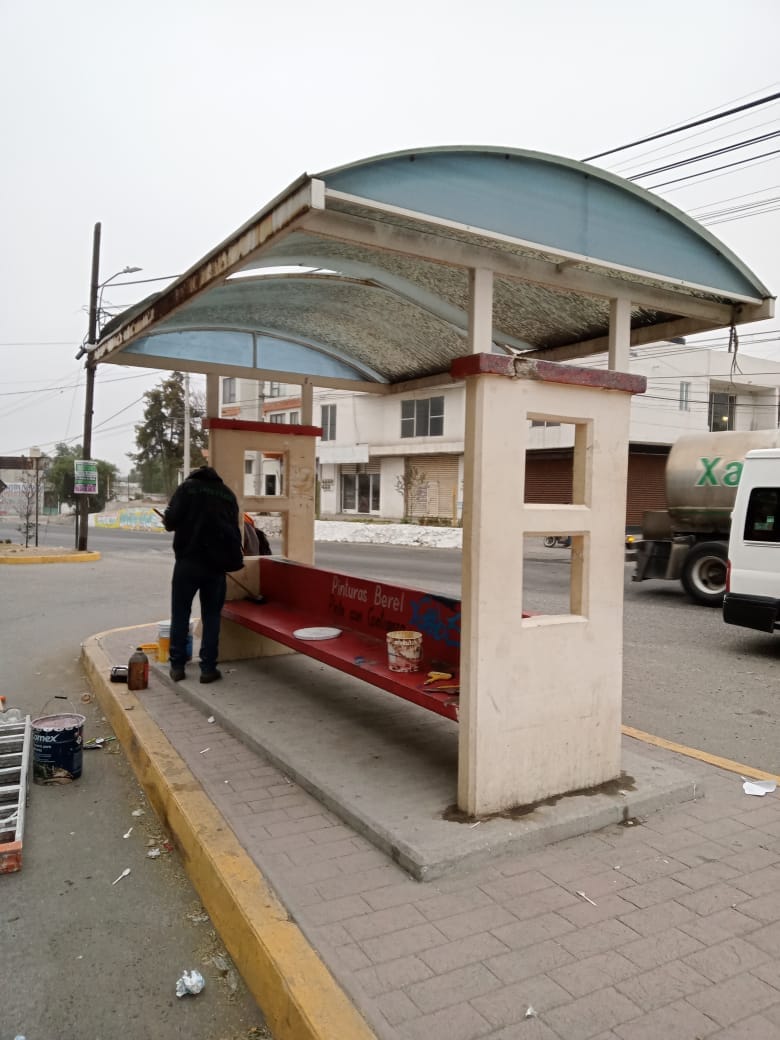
{"points": [[25, 506], [160, 437], [60, 477], [408, 485]]}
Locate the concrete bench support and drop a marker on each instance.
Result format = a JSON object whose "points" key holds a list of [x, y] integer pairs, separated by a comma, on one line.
{"points": [[540, 708]]}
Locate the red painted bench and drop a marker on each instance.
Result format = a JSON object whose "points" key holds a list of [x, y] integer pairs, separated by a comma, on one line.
{"points": [[298, 596]]}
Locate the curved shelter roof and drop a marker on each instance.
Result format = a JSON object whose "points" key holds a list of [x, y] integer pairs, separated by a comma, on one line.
{"points": [[359, 276]]}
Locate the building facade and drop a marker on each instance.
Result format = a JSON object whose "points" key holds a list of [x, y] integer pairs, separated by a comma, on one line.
{"points": [[400, 455]]}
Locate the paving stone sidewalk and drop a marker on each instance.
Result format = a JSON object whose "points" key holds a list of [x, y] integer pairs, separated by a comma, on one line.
{"points": [[668, 929]]}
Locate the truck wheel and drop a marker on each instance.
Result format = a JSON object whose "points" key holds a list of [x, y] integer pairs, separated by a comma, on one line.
{"points": [[704, 573], [549, 542]]}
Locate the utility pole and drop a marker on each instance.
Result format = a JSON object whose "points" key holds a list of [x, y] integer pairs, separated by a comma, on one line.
{"points": [[89, 365]]}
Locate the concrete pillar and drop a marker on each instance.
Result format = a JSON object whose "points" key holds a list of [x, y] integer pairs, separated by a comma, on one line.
{"points": [[540, 708], [307, 402], [480, 311], [619, 334], [229, 439]]}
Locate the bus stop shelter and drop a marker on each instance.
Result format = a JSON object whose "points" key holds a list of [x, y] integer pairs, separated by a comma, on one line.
{"points": [[495, 267]]}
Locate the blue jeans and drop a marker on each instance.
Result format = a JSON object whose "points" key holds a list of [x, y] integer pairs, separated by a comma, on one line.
{"points": [[190, 577]]}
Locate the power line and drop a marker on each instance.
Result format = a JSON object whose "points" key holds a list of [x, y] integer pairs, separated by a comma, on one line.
{"points": [[38, 343], [733, 198], [706, 155], [71, 386], [680, 147], [702, 173], [686, 126]]}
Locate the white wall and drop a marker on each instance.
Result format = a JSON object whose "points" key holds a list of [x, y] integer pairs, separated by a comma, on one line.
{"points": [[391, 500]]}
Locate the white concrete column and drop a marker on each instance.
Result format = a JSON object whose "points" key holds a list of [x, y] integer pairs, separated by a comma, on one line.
{"points": [[307, 402], [480, 311], [540, 696], [619, 334]]}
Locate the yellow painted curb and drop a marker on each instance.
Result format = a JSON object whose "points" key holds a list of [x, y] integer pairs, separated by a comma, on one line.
{"points": [[74, 557], [299, 997], [702, 756]]}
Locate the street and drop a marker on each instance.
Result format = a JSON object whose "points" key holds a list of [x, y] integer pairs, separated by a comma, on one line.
{"points": [[105, 953], [86, 958], [688, 677]]}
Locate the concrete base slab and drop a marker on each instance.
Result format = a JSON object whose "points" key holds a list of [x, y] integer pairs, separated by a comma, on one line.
{"points": [[389, 768]]}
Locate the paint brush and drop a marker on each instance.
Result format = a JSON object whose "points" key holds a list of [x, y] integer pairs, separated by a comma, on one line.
{"points": [[250, 595]]}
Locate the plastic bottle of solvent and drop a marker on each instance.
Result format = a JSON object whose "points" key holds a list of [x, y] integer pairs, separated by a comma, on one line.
{"points": [[138, 670]]}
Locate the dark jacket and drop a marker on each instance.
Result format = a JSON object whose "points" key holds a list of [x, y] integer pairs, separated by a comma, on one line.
{"points": [[203, 513]]}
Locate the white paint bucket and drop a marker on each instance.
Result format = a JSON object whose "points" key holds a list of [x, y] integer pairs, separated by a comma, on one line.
{"points": [[164, 641], [404, 651]]}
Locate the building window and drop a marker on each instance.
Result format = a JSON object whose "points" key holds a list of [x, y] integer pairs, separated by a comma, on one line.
{"points": [[277, 417], [328, 422], [722, 409], [422, 418], [685, 390], [543, 422], [295, 418], [228, 390], [248, 467], [360, 492], [274, 389]]}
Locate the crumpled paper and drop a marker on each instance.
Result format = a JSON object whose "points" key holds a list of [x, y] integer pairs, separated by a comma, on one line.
{"points": [[190, 982]]}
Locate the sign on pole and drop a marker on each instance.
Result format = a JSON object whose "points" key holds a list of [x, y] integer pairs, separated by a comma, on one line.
{"points": [[86, 477]]}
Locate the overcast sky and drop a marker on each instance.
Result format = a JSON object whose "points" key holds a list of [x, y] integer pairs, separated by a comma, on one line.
{"points": [[173, 121]]}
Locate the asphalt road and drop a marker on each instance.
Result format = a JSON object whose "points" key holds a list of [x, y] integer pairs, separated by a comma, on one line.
{"points": [[82, 958], [687, 676]]}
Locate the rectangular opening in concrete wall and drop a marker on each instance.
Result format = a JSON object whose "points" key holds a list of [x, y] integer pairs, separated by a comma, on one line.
{"points": [[264, 473], [549, 463], [555, 545]]}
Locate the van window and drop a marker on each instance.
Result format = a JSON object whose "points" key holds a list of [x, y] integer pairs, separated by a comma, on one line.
{"points": [[762, 523]]}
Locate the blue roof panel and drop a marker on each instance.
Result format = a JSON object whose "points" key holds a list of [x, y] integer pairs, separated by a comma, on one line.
{"points": [[558, 203]]}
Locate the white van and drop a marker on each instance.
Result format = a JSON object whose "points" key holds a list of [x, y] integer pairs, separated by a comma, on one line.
{"points": [[752, 597]]}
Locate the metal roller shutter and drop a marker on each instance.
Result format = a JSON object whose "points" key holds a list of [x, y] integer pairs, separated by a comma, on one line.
{"points": [[436, 496], [646, 486], [548, 479]]}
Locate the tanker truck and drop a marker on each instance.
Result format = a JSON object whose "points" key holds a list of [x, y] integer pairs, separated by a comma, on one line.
{"points": [[688, 541]]}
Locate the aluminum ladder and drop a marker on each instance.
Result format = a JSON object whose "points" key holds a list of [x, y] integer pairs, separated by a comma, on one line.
{"points": [[15, 742]]}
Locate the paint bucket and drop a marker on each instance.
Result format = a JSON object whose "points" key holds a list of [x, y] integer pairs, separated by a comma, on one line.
{"points": [[57, 748], [404, 651], [164, 641]]}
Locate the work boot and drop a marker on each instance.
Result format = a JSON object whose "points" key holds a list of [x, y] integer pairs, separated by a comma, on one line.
{"points": [[207, 677], [177, 674]]}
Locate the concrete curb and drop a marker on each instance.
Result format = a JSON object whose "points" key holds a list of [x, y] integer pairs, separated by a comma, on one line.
{"points": [[74, 557], [298, 995]]}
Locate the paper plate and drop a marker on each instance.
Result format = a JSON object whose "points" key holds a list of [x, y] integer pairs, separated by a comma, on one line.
{"points": [[316, 633]]}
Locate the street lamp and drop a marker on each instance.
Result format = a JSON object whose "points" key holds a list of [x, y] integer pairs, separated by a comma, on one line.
{"points": [[96, 287]]}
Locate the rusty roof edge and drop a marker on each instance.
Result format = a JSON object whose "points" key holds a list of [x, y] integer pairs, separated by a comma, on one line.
{"points": [[294, 202], [546, 371]]}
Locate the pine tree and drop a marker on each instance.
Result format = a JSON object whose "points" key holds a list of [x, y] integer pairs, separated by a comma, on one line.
{"points": [[160, 437]]}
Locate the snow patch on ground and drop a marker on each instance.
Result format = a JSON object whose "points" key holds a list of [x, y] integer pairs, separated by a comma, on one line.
{"points": [[388, 534]]}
